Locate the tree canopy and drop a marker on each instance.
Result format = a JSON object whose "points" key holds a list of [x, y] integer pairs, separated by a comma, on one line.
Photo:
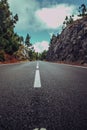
{"points": [[82, 10], [9, 40], [27, 40]]}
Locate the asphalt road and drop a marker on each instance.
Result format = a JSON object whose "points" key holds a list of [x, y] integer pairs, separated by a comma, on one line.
{"points": [[60, 103]]}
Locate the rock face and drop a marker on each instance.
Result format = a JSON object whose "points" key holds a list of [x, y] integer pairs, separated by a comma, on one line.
{"points": [[71, 44], [22, 53]]}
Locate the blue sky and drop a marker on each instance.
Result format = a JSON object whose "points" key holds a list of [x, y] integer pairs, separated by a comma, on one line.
{"points": [[42, 18]]}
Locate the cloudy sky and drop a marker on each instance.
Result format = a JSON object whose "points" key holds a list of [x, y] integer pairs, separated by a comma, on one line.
{"points": [[42, 18]]}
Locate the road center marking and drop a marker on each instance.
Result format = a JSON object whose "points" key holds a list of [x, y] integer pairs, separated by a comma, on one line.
{"points": [[37, 82], [37, 67], [39, 129]]}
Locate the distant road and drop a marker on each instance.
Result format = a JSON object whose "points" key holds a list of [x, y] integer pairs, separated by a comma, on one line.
{"points": [[43, 96]]}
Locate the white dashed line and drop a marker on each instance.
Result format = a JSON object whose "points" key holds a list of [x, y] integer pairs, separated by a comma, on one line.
{"points": [[42, 129], [36, 129], [37, 82], [39, 129], [37, 67]]}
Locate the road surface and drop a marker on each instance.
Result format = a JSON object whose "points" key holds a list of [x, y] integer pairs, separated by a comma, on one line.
{"points": [[43, 96]]}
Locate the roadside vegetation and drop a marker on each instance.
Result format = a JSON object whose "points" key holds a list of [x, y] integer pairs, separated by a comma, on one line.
{"points": [[11, 44], [42, 56], [9, 40]]}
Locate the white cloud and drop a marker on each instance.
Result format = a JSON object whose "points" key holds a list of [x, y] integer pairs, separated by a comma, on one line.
{"points": [[34, 17], [41, 46], [53, 17]]}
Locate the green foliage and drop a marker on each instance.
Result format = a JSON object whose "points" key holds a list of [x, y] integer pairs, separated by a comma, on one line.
{"points": [[68, 20], [2, 55], [82, 10], [42, 56], [22, 39], [9, 41], [33, 55], [27, 41]]}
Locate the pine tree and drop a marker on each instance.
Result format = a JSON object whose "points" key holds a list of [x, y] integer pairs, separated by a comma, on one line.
{"points": [[8, 40], [27, 40], [21, 40], [82, 10]]}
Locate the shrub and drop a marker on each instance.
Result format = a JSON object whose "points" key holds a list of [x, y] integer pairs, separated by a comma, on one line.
{"points": [[2, 55]]}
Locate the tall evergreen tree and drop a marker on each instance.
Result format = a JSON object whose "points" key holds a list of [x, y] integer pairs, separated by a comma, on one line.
{"points": [[27, 40], [8, 39], [21, 39], [82, 10]]}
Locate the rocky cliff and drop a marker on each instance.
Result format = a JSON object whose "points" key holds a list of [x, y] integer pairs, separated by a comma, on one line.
{"points": [[71, 44], [22, 53]]}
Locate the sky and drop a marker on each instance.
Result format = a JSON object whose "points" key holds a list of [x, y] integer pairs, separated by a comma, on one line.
{"points": [[42, 18]]}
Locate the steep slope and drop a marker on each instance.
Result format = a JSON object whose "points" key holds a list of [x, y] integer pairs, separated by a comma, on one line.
{"points": [[71, 44], [21, 55]]}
